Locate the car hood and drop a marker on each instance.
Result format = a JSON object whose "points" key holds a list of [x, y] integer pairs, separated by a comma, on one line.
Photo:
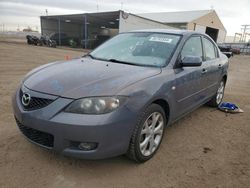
{"points": [[86, 77]]}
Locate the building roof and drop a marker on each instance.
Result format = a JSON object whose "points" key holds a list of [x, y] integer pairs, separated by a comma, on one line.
{"points": [[175, 17]]}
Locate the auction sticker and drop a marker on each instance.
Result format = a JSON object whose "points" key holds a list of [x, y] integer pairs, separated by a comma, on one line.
{"points": [[160, 39]]}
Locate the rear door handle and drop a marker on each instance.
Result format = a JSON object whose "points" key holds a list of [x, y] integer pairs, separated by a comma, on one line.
{"points": [[204, 71], [219, 66]]}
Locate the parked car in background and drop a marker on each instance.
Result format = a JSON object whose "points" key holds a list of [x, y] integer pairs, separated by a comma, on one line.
{"points": [[225, 49], [235, 50], [229, 48], [120, 98]]}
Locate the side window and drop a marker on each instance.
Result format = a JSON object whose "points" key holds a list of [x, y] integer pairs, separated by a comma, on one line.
{"points": [[192, 47], [209, 49]]}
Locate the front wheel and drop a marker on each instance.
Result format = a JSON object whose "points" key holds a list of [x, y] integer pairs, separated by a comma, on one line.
{"points": [[217, 98], [148, 134]]}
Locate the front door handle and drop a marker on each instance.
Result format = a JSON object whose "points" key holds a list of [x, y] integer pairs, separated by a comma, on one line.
{"points": [[219, 66], [204, 71]]}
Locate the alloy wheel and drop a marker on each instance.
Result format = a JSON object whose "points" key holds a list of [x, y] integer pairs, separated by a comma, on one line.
{"points": [[220, 93], [151, 133]]}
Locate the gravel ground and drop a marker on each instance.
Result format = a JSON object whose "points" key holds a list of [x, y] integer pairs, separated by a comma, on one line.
{"points": [[207, 148]]}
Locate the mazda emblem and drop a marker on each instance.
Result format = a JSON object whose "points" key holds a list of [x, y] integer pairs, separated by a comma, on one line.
{"points": [[26, 98]]}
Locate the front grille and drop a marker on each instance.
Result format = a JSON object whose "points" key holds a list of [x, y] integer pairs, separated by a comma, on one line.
{"points": [[42, 138], [35, 102]]}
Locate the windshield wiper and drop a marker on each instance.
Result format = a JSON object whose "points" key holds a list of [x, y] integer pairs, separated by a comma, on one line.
{"points": [[129, 63], [115, 61], [122, 62], [92, 57]]}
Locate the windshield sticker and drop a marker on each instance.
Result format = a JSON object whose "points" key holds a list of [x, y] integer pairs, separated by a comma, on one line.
{"points": [[160, 39]]}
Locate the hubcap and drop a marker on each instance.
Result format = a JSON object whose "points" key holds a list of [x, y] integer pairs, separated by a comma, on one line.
{"points": [[220, 93], [151, 133]]}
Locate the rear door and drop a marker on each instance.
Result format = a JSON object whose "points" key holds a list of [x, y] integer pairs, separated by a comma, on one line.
{"points": [[211, 66]]}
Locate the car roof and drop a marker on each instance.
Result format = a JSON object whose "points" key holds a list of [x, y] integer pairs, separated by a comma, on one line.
{"points": [[169, 31]]}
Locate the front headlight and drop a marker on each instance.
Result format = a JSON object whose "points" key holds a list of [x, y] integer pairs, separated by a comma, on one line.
{"points": [[95, 105]]}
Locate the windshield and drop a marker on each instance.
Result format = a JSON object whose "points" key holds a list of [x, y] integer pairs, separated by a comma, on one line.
{"points": [[146, 49]]}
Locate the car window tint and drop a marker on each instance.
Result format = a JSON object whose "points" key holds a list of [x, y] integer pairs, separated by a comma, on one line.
{"points": [[192, 47], [209, 49]]}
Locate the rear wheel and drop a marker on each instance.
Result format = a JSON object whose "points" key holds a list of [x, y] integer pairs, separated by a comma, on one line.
{"points": [[148, 134], [217, 98]]}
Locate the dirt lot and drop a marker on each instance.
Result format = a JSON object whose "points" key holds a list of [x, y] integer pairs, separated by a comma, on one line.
{"points": [[208, 148]]}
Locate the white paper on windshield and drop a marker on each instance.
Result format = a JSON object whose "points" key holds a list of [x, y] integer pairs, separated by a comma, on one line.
{"points": [[160, 39]]}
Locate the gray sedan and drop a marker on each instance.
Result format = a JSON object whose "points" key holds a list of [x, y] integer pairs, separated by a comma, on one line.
{"points": [[120, 98]]}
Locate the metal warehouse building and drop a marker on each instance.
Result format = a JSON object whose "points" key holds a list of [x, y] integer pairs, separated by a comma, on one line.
{"points": [[91, 29], [205, 21]]}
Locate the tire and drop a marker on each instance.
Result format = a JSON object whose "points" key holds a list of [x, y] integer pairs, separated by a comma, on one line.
{"points": [[147, 135], [217, 98]]}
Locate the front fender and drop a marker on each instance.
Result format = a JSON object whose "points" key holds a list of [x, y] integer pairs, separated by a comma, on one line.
{"points": [[145, 92]]}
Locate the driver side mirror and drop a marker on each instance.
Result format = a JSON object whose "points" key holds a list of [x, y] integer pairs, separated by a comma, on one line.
{"points": [[191, 61]]}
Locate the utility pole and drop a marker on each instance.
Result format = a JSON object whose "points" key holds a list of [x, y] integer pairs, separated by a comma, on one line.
{"points": [[46, 12], [244, 28]]}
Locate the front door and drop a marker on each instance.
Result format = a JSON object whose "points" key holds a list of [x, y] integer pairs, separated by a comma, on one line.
{"points": [[189, 80]]}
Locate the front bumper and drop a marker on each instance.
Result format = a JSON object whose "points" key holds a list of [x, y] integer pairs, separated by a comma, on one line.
{"points": [[111, 132]]}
